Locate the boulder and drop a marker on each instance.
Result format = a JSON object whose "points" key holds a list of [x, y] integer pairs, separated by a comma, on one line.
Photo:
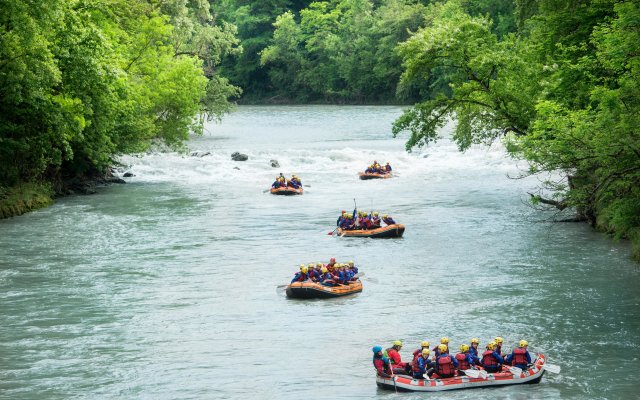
{"points": [[274, 163], [236, 168], [128, 174], [239, 157]]}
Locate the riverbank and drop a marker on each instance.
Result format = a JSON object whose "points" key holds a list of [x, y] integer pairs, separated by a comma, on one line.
{"points": [[29, 196], [24, 197]]}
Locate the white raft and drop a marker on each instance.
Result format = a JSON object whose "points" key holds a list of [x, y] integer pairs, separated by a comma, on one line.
{"points": [[508, 376]]}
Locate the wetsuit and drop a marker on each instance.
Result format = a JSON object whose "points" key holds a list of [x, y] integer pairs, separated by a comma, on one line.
{"points": [[491, 361], [388, 221], [300, 277], [421, 366], [446, 365], [382, 366]]}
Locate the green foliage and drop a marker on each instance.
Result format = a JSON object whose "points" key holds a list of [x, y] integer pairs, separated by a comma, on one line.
{"points": [[82, 81], [563, 93]]}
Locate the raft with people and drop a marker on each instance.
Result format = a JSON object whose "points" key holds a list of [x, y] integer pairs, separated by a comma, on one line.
{"points": [[389, 231], [319, 280], [287, 187], [286, 191], [376, 171], [507, 376], [313, 290], [373, 175]]}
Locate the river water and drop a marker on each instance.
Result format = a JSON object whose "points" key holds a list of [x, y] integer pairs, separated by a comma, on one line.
{"points": [[165, 288]]}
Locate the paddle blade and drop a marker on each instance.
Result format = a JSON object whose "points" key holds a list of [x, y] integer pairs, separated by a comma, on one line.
{"points": [[554, 369], [330, 233]]}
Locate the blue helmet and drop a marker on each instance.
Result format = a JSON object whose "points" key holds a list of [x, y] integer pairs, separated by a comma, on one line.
{"points": [[376, 349]]}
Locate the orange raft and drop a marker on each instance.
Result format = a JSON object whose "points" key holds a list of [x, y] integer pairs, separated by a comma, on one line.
{"points": [[312, 290], [373, 175], [286, 191], [390, 231], [508, 376]]}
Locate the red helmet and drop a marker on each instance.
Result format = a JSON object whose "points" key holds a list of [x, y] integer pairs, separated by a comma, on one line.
{"points": [[333, 260]]}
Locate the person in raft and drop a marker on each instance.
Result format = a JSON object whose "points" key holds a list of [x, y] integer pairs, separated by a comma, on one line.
{"points": [[295, 182], [491, 359], [473, 351], [387, 168], [445, 364], [375, 220], [464, 359], [520, 357], [278, 183], [381, 363], [498, 348], [436, 350], [314, 274], [393, 353], [302, 275], [388, 220], [421, 365]]}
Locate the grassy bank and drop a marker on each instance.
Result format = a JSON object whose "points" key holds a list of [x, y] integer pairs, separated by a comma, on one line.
{"points": [[24, 197]]}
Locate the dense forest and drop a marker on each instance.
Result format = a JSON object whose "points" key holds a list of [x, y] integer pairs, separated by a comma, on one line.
{"points": [[557, 82]]}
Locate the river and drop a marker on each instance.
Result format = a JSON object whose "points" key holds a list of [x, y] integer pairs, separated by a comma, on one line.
{"points": [[165, 288]]}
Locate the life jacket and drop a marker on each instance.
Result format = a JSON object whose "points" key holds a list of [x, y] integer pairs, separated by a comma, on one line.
{"points": [[519, 356], [445, 365], [380, 365], [488, 360], [463, 363], [391, 358]]}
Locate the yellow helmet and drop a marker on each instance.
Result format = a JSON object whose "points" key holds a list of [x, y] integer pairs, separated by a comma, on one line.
{"points": [[397, 343], [304, 269], [498, 340], [425, 344], [294, 176], [442, 347], [384, 216], [350, 262], [475, 340], [464, 348], [324, 270], [311, 265], [523, 343], [444, 340], [302, 266], [491, 345], [425, 352], [319, 264]]}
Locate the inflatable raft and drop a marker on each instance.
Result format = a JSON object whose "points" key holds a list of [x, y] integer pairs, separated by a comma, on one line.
{"points": [[286, 191], [366, 175], [390, 231], [506, 377], [312, 290]]}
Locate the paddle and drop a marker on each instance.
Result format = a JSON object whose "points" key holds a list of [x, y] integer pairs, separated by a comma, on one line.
{"points": [[474, 373], [281, 288], [554, 369], [333, 231]]}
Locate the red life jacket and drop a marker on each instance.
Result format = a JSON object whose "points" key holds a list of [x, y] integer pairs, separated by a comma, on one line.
{"points": [[445, 365], [463, 363], [489, 360], [380, 366], [394, 356], [519, 356], [303, 277]]}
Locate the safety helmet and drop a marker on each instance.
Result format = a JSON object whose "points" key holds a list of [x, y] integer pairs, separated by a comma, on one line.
{"points": [[350, 262], [491, 345], [375, 214], [384, 216], [302, 266], [523, 343], [304, 269], [475, 340], [324, 270], [294, 176], [425, 352], [442, 347], [498, 340], [464, 348], [444, 340], [343, 212], [425, 343], [311, 265], [319, 264], [332, 260], [376, 349], [397, 343]]}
